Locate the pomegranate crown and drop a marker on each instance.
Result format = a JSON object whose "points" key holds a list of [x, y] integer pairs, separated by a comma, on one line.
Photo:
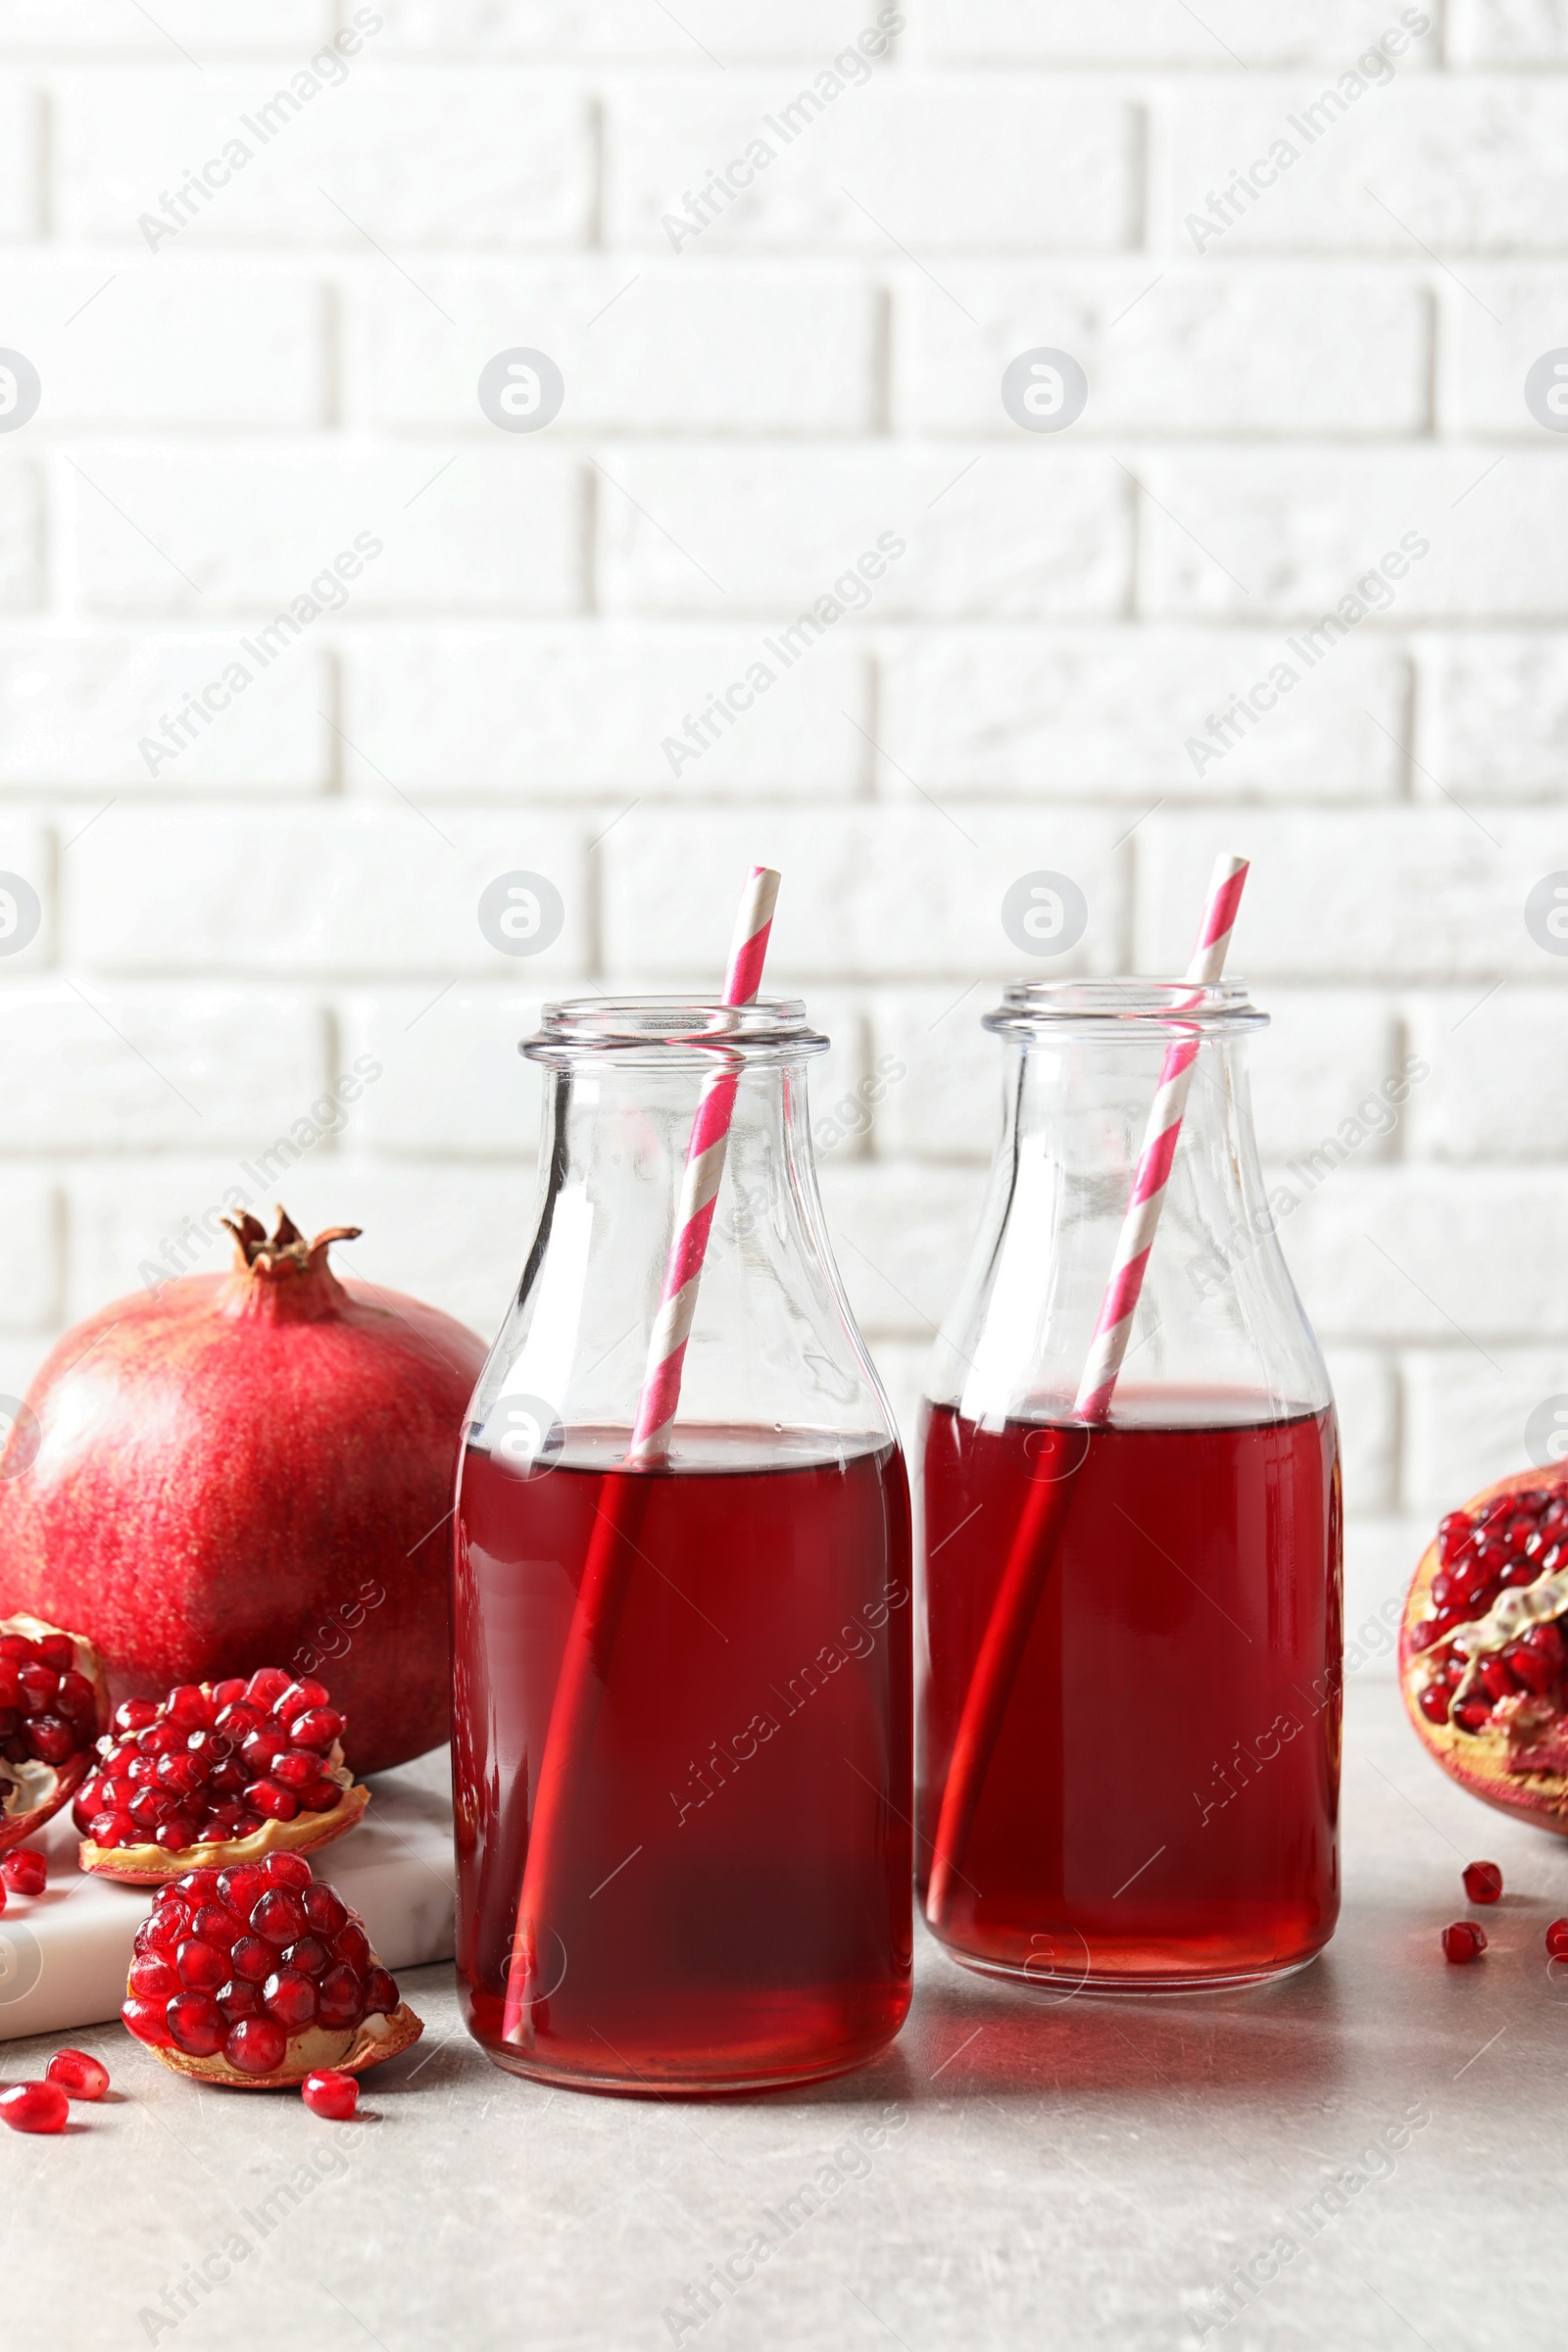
{"points": [[289, 1252]]}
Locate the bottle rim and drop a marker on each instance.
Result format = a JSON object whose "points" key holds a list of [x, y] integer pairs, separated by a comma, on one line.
{"points": [[663, 1030], [1130, 1006]]}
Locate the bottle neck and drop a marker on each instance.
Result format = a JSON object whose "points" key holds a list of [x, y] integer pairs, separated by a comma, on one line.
{"points": [[1216, 1329]]}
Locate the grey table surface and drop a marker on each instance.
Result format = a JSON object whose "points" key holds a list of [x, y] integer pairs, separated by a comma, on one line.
{"points": [[1381, 2132]]}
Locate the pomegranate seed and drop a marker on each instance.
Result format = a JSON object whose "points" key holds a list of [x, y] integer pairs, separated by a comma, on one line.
{"points": [[79, 2075], [217, 1925], [148, 2022], [1496, 1678], [37, 1686], [1472, 1713], [16, 1647], [296, 1771], [310, 1957], [239, 1721], [161, 1739], [113, 1829], [176, 1833], [1463, 1941], [279, 1916], [1557, 1939], [266, 1684], [339, 1999], [325, 1911], [262, 1749], [290, 1998], [382, 1992], [35, 2107], [196, 2023], [189, 1705], [51, 1738], [24, 1870], [241, 1890], [318, 1726], [76, 1696], [299, 1697], [321, 1796], [255, 2045], [229, 1693], [273, 1803], [1483, 1882], [153, 1977], [59, 1651], [239, 1998], [253, 1958], [1434, 1703], [182, 1775], [289, 1870], [202, 1881], [352, 1945], [202, 1966], [328, 2092]]}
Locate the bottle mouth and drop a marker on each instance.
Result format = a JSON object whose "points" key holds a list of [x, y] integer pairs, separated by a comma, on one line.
{"points": [[666, 1029], [1102, 1007]]}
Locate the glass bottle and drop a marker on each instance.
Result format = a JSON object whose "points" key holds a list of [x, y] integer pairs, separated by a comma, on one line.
{"points": [[721, 1899], [1154, 1802]]}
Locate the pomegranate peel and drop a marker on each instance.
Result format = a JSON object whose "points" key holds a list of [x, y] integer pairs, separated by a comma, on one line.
{"points": [[216, 1775], [45, 1747], [151, 1866], [1484, 1647], [310, 2052]]}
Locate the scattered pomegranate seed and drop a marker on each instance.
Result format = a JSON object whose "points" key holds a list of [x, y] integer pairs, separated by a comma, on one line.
{"points": [[1557, 1939], [79, 2075], [1483, 1882], [330, 2093], [24, 1870], [1463, 1941], [35, 2107]]}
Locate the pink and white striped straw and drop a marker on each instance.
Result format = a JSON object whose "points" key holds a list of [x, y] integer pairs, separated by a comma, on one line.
{"points": [[704, 1172], [1131, 1263]]}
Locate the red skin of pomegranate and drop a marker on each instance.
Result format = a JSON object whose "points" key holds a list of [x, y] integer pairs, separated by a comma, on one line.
{"points": [[239, 1461], [1539, 1798]]}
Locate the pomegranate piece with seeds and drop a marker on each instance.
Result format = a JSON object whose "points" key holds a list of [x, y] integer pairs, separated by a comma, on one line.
{"points": [[77, 2074], [218, 1773], [1484, 1648], [260, 1975], [35, 2107], [53, 1705], [1483, 1882], [1463, 1941]]}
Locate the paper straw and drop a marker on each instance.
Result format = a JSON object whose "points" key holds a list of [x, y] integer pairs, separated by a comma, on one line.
{"points": [[612, 1548], [1034, 1544]]}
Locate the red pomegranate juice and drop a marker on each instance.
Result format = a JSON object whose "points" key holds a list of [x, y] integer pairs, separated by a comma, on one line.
{"points": [[735, 1909], [1161, 1807]]}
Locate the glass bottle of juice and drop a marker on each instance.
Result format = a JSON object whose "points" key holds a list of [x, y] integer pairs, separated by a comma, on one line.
{"points": [[1152, 1803], [687, 1865]]}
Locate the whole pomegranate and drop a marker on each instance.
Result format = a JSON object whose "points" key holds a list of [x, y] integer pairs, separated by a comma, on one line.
{"points": [[1483, 1656], [248, 1468]]}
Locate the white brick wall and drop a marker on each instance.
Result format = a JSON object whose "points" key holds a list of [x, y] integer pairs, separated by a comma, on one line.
{"points": [[1277, 398]]}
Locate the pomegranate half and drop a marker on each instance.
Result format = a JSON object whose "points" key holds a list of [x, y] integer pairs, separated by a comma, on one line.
{"points": [[247, 1466], [53, 1705], [1483, 1657]]}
